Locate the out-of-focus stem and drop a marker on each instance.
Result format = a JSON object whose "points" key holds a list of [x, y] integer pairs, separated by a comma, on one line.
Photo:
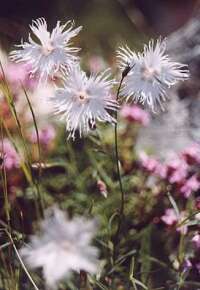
{"points": [[4, 177]]}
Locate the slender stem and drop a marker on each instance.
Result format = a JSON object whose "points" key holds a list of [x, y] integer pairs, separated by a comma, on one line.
{"points": [[117, 155], [121, 211], [20, 260], [41, 201], [36, 129], [10, 100], [4, 176]]}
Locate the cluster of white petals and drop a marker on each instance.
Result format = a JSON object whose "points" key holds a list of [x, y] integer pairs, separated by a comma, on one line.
{"points": [[150, 74], [51, 52], [84, 100], [63, 246]]}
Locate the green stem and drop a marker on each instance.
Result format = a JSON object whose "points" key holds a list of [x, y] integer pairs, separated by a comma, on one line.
{"points": [[20, 260], [10, 100], [4, 177], [121, 211], [117, 157]]}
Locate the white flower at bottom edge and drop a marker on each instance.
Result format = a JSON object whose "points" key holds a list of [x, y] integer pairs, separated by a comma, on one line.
{"points": [[151, 74], [52, 53], [84, 100], [62, 246]]}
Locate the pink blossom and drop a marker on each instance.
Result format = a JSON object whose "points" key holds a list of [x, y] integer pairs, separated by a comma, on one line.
{"points": [[198, 267], [16, 73], [170, 217], [102, 188], [152, 165], [96, 64], [135, 114], [10, 157], [191, 185], [148, 163], [196, 240], [187, 265], [46, 135], [192, 154], [161, 170], [177, 170]]}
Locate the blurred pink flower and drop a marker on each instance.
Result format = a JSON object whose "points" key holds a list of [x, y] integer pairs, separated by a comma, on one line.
{"points": [[177, 170], [46, 135], [187, 265], [10, 157], [96, 64], [148, 163], [152, 165], [102, 188], [161, 170], [196, 240], [192, 154], [135, 114], [16, 73], [190, 185], [198, 267], [170, 217]]}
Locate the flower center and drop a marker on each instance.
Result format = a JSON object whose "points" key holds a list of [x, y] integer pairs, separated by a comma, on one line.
{"points": [[67, 246], [82, 97], [47, 49], [148, 73]]}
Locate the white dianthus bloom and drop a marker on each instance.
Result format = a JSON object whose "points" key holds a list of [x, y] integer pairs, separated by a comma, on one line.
{"points": [[151, 73], [84, 100], [62, 247], [126, 58], [52, 51]]}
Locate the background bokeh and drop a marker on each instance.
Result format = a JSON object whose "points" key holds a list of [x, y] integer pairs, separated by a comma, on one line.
{"points": [[106, 22]]}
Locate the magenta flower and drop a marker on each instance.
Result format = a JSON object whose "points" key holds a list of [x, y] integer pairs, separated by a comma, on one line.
{"points": [[148, 163], [177, 170], [187, 265], [198, 267], [196, 240], [10, 157], [152, 165], [191, 185], [16, 74], [161, 170], [135, 114], [192, 154], [170, 217], [46, 135]]}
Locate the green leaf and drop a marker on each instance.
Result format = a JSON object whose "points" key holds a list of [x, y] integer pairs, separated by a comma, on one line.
{"points": [[145, 251]]}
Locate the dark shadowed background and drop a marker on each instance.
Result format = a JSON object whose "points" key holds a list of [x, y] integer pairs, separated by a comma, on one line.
{"points": [[106, 22]]}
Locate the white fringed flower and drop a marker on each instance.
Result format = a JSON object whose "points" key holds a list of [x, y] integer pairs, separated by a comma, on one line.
{"points": [[63, 246], [52, 51], [151, 74], [84, 100], [126, 58]]}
